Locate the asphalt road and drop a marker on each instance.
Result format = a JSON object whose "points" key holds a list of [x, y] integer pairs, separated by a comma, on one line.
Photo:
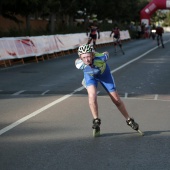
{"points": [[46, 122]]}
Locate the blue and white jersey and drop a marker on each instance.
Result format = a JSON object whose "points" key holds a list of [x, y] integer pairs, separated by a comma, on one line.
{"points": [[98, 65], [98, 71]]}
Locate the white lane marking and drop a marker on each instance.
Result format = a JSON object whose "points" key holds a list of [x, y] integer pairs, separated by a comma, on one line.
{"points": [[18, 93], [47, 85], [134, 98], [140, 98], [35, 113], [126, 95], [131, 61], [156, 97], [11, 126], [45, 92]]}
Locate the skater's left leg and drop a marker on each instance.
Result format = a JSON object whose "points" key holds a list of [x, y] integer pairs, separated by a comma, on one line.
{"points": [[119, 103]]}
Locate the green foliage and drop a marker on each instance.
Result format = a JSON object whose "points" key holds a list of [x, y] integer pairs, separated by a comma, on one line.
{"points": [[167, 19], [120, 11]]}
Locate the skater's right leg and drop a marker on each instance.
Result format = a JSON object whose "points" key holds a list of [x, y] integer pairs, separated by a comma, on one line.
{"points": [[96, 127], [115, 47], [94, 37], [92, 97], [96, 123], [89, 40]]}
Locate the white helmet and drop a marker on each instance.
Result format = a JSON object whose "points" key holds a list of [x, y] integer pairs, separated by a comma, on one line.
{"points": [[86, 48]]}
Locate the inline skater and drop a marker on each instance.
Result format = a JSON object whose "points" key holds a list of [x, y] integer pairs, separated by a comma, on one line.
{"points": [[94, 30], [116, 39], [96, 69], [159, 32], [153, 32]]}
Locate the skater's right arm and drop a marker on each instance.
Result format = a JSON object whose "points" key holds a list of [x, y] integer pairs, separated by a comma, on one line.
{"points": [[79, 64]]}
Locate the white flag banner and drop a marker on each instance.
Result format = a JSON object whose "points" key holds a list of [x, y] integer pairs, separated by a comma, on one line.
{"points": [[21, 47]]}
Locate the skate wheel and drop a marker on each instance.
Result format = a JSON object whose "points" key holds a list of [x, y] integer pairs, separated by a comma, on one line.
{"points": [[140, 132], [96, 133]]}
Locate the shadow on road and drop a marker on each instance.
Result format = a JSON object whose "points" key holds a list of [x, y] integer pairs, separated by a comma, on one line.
{"points": [[146, 133]]}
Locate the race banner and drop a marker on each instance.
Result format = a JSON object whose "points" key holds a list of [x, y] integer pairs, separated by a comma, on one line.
{"points": [[24, 47], [7, 49], [21, 47]]}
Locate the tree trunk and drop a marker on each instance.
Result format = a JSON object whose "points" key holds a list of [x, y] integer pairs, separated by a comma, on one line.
{"points": [[28, 25], [52, 22]]}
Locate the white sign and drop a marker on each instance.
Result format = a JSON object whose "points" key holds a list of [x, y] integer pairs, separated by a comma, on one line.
{"points": [[167, 3]]}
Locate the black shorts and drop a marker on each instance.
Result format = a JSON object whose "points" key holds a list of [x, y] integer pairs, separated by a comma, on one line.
{"points": [[93, 36], [116, 36]]}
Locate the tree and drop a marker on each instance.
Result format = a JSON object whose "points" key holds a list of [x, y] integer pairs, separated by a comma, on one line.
{"points": [[10, 9], [167, 19], [120, 11], [58, 9]]}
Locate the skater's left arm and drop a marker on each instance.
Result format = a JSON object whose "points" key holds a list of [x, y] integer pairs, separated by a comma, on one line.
{"points": [[106, 55], [102, 56]]}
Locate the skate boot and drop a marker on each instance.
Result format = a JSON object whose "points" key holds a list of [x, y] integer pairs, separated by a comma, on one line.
{"points": [[130, 122], [96, 127]]}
